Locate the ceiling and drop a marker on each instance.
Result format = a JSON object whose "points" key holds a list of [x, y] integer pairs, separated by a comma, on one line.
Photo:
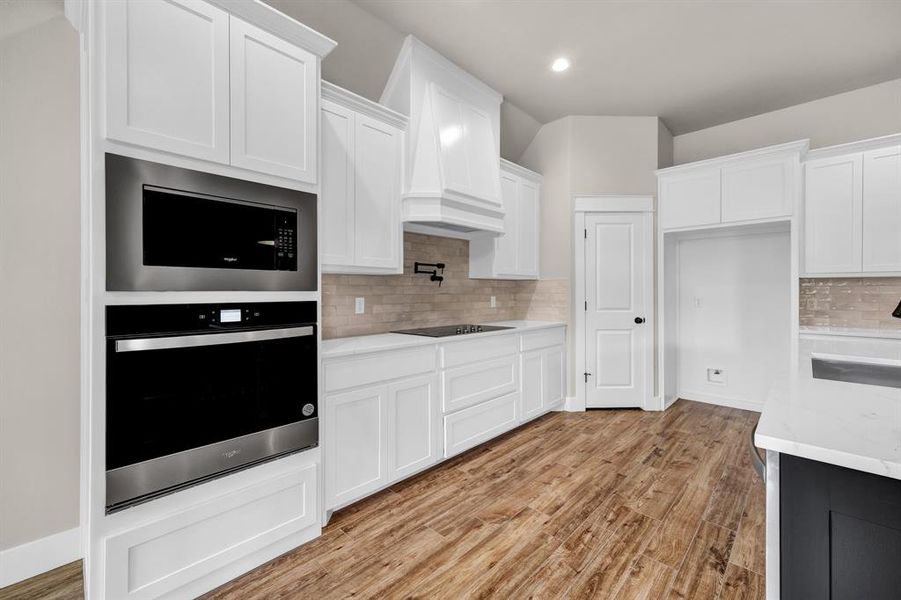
{"points": [[693, 63]]}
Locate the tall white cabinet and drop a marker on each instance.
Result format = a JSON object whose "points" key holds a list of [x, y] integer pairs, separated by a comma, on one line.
{"points": [[362, 170], [852, 209], [191, 78], [514, 253]]}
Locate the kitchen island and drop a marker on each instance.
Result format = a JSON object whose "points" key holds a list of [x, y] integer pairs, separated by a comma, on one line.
{"points": [[833, 471]]}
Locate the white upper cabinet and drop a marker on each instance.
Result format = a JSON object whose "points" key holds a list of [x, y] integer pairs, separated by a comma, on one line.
{"points": [[191, 78], [513, 255], [336, 212], [833, 207], [882, 210], [167, 76], [362, 167], [852, 209], [690, 200], [758, 185], [451, 177], [273, 104], [758, 189]]}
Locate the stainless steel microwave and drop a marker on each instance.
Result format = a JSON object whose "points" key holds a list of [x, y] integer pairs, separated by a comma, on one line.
{"points": [[169, 228]]}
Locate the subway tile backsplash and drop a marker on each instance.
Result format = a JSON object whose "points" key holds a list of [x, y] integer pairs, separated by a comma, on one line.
{"points": [[405, 301], [855, 302]]}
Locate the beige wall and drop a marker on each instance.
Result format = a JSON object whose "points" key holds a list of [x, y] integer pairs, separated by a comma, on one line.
{"points": [[364, 57], [585, 155], [39, 283], [856, 115], [407, 301], [858, 302]]}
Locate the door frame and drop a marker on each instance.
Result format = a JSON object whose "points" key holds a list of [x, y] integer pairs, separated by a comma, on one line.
{"points": [[614, 204]]}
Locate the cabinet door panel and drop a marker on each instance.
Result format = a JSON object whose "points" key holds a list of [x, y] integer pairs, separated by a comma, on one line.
{"points": [[505, 245], [356, 452], [377, 197], [532, 385], [413, 419], [554, 364], [167, 76], [274, 103], [832, 215], [882, 210], [527, 244], [758, 190], [337, 193], [690, 200]]}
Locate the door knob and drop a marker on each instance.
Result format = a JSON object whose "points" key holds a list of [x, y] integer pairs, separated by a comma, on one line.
{"points": [[639, 320]]}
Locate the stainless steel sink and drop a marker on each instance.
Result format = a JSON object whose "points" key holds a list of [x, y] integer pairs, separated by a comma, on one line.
{"points": [[858, 370]]}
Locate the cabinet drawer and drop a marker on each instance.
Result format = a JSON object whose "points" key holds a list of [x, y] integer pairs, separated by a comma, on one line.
{"points": [[471, 384], [461, 353], [164, 555], [543, 339], [474, 425], [343, 373]]}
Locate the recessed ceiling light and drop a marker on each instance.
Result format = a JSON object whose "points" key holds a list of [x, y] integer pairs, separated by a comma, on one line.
{"points": [[560, 65]]}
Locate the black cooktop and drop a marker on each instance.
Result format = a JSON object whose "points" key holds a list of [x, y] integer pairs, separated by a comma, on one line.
{"points": [[447, 330]]}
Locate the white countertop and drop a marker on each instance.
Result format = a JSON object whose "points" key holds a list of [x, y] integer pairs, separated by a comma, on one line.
{"points": [[846, 424], [393, 341]]}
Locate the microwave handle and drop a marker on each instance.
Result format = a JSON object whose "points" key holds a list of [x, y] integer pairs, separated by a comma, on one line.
{"points": [[211, 339]]}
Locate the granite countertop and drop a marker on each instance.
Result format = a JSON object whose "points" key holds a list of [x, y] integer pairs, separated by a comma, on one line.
{"points": [[846, 424], [393, 341]]}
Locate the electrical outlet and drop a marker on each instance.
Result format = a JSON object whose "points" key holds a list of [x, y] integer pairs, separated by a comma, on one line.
{"points": [[717, 376], [359, 306], [493, 302]]}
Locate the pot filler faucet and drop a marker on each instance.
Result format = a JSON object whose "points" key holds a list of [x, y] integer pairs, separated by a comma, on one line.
{"points": [[430, 269]]}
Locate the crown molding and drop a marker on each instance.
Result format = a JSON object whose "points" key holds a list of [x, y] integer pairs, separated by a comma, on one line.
{"points": [[799, 148], [359, 104], [515, 169], [852, 147]]}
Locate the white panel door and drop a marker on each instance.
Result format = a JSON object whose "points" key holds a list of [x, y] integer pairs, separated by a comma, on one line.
{"points": [[377, 190], [758, 189], [527, 221], [833, 211], [274, 104], [356, 459], [337, 186], [882, 210], [617, 286], [506, 244], [691, 199], [532, 385], [167, 76], [414, 426]]}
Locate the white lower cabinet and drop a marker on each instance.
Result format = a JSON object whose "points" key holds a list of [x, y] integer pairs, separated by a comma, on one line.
{"points": [[476, 424], [355, 444], [191, 551], [393, 413], [414, 441]]}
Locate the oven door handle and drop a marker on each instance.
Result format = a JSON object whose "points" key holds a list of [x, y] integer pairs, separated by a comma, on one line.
{"points": [[211, 339]]}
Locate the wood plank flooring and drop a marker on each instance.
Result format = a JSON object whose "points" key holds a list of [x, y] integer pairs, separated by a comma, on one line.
{"points": [[618, 504], [604, 504]]}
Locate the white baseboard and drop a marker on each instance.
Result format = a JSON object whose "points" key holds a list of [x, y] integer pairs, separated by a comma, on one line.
{"points": [[571, 404], [33, 558], [721, 400]]}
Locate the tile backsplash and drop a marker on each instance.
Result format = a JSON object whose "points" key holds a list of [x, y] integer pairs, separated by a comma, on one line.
{"points": [[856, 302], [405, 301]]}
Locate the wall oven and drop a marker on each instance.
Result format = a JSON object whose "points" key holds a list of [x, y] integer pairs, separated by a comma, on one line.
{"points": [[197, 391], [176, 229]]}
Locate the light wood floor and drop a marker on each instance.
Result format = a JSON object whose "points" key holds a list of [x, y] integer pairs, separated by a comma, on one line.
{"points": [[603, 504]]}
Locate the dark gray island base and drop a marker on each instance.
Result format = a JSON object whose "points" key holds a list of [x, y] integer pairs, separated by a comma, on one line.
{"points": [[840, 532]]}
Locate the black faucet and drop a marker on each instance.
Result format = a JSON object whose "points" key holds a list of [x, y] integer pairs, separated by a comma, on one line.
{"points": [[419, 267]]}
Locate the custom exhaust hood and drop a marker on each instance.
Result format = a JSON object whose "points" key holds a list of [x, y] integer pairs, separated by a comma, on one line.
{"points": [[451, 170]]}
